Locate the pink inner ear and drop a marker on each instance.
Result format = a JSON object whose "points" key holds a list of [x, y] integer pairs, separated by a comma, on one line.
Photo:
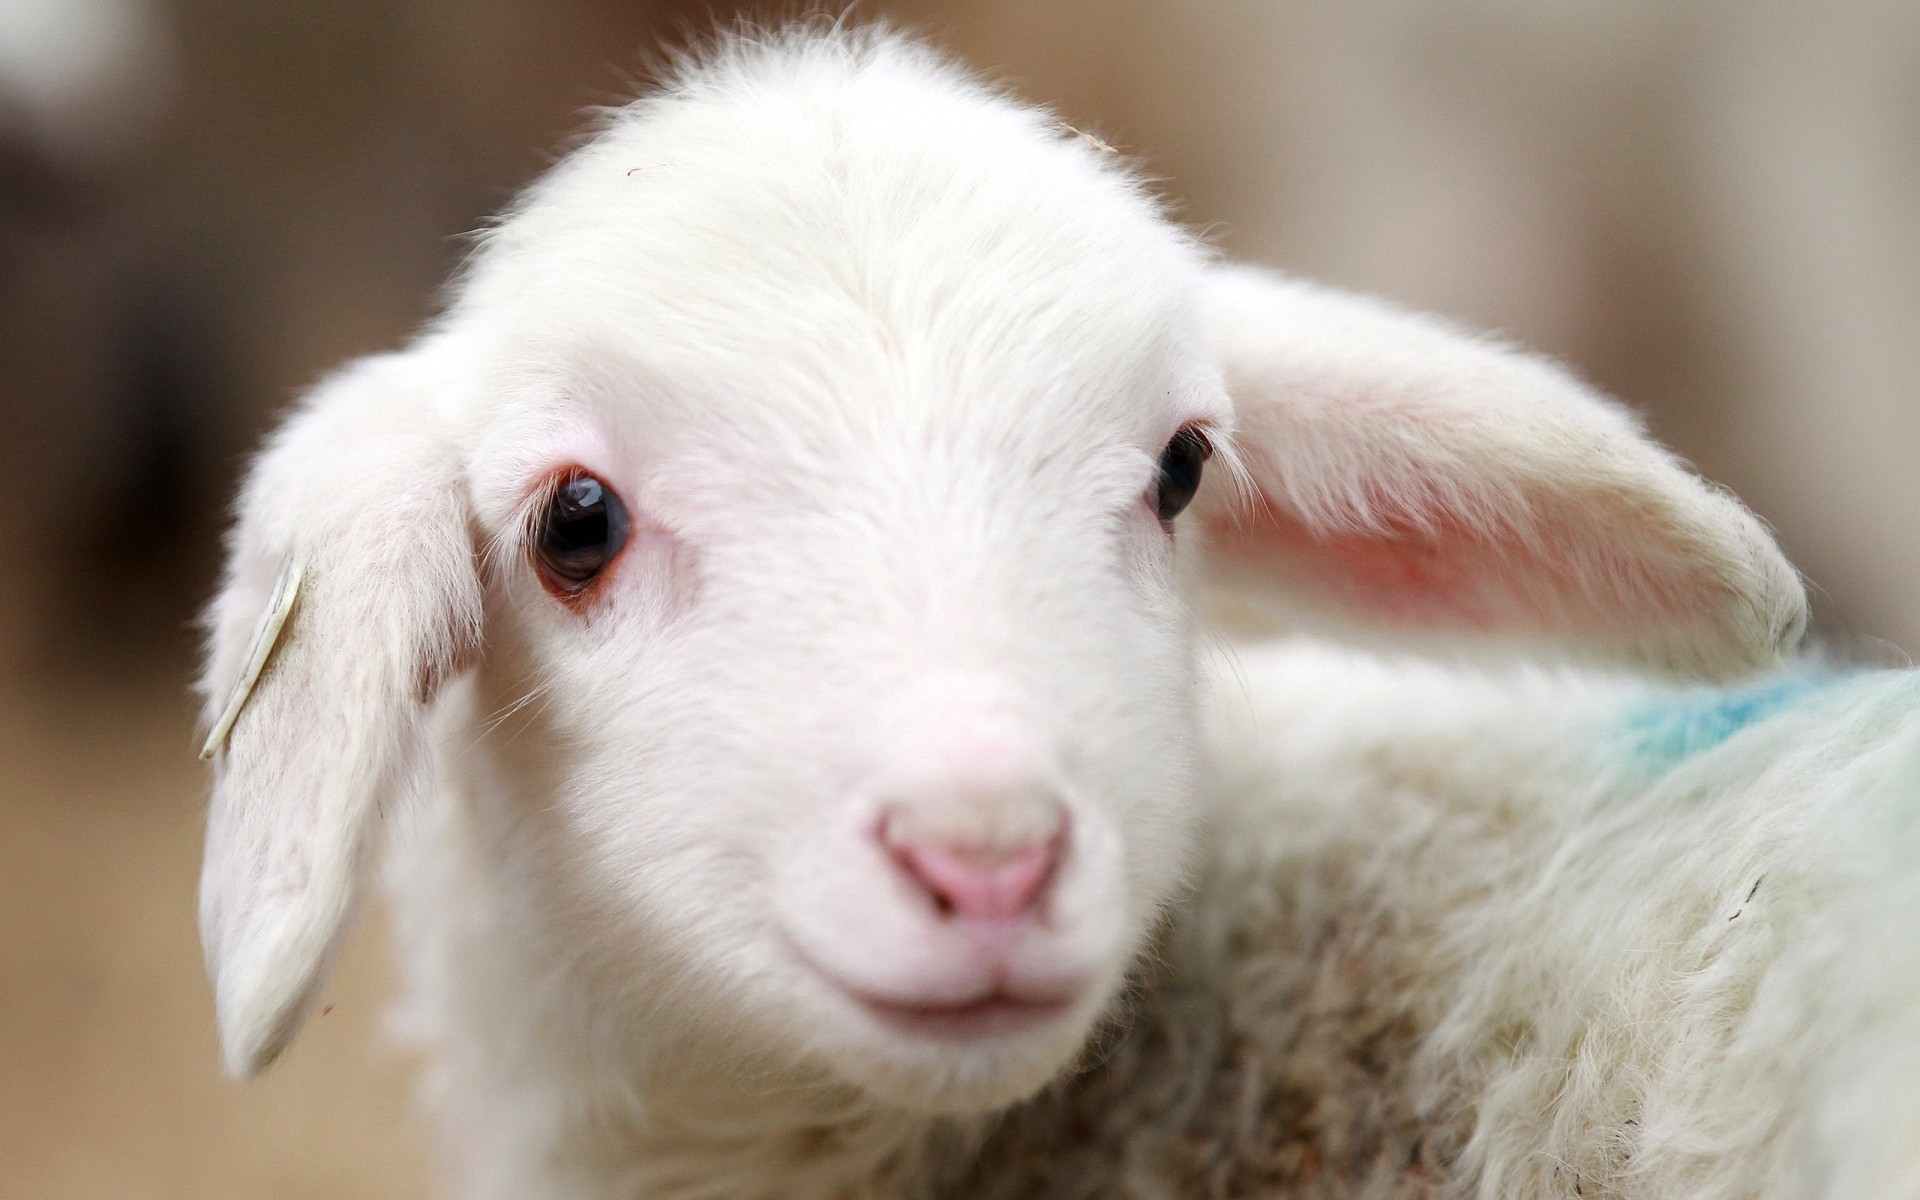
{"points": [[1444, 575]]}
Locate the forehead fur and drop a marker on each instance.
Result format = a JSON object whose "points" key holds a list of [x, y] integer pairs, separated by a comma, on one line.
{"points": [[827, 208]]}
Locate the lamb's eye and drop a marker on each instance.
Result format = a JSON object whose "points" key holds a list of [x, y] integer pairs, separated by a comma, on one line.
{"points": [[1180, 465], [583, 527]]}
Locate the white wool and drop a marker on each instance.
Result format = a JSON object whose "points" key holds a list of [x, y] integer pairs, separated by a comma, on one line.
{"points": [[1521, 934], [865, 823]]}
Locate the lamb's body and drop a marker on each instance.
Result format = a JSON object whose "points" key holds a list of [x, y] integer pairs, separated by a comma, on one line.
{"points": [[1529, 934], [1526, 937]]}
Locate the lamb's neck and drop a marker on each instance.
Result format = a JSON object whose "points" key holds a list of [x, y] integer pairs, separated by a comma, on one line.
{"points": [[692, 1134]]}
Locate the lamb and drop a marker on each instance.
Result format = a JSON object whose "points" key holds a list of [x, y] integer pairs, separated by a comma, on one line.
{"points": [[778, 618]]}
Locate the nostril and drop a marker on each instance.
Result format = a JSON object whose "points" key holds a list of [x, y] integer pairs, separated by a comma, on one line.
{"points": [[980, 883]]}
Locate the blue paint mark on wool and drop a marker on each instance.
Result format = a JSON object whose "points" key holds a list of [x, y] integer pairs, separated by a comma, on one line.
{"points": [[1668, 729]]}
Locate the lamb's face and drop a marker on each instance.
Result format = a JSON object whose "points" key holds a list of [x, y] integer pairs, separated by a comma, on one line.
{"points": [[828, 531]]}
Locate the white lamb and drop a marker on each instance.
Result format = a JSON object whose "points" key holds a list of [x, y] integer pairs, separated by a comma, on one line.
{"points": [[766, 594]]}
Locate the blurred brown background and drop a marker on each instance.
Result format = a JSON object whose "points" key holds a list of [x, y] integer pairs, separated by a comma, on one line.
{"points": [[1712, 207]]}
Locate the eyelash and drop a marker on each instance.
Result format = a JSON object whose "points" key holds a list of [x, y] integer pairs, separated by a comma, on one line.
{"points": [[576, 527], [1179, 472]]}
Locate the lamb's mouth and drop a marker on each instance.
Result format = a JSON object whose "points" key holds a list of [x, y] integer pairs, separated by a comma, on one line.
{"points": [[999, 1009], [995, 1014]]}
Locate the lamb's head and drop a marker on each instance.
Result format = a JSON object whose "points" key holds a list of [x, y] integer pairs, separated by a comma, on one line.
{"points": [[799, 476]]}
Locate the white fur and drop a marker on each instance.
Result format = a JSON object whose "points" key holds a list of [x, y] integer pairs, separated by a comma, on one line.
{"points": [[882, 364], [1522, 934]]}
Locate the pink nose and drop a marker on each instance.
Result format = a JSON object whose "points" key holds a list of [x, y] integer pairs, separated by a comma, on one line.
{"points": [[978, 883]]}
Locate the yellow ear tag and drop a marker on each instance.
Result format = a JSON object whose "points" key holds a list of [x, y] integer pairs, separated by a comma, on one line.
{"points": [[266, 636]]}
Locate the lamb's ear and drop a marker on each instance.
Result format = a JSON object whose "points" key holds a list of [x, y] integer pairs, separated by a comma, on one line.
{"points": [[1413, 480], [363, 492]]}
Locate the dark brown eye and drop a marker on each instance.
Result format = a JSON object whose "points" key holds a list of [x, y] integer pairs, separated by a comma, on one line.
{"points": [[1180, 466], [583, 527]]}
